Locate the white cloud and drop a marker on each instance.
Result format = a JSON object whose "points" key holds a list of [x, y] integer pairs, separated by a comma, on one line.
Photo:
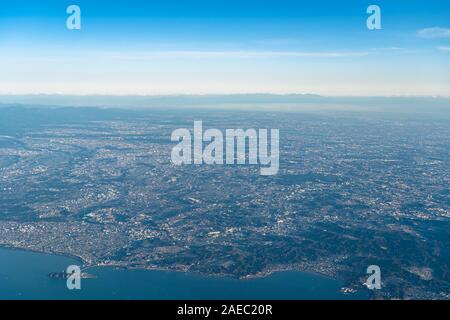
{"points": [[276, 42], [433, 33], [392, 50], [446, 49], [237, 54]]}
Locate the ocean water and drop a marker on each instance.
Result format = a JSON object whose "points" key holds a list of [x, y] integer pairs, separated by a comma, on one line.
{"points": [[23, 275]]}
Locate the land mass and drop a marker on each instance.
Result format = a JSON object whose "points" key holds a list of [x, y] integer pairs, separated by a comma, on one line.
{"points": [[354, 189]]}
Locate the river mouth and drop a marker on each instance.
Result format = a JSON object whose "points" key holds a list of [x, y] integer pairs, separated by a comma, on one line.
{"points": [[24, 276]]}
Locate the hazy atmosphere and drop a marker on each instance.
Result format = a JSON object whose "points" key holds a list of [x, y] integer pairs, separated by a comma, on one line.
{"points": [[204, 47]]}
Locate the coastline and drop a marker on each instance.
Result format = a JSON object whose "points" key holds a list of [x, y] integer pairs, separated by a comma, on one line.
{"points": [[65, 255], [86, 266], [288, 283]]}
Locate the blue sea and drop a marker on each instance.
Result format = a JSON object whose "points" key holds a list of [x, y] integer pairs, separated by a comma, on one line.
{"points": [[24, 275]]}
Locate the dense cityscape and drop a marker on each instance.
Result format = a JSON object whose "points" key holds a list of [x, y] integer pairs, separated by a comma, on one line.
{"points": [[353, 189]]}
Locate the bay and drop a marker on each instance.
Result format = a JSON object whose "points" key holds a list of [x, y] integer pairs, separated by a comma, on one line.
{"points": [[24, 276]]}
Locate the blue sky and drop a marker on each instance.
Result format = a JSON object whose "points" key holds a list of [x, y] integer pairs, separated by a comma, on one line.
{"points": [[170, 47]]}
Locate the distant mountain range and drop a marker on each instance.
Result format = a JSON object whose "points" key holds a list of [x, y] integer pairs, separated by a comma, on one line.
{"points": [[242, 101]]}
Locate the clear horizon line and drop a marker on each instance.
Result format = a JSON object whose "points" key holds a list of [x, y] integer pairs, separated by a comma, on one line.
{"points": [[58, 94]]}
